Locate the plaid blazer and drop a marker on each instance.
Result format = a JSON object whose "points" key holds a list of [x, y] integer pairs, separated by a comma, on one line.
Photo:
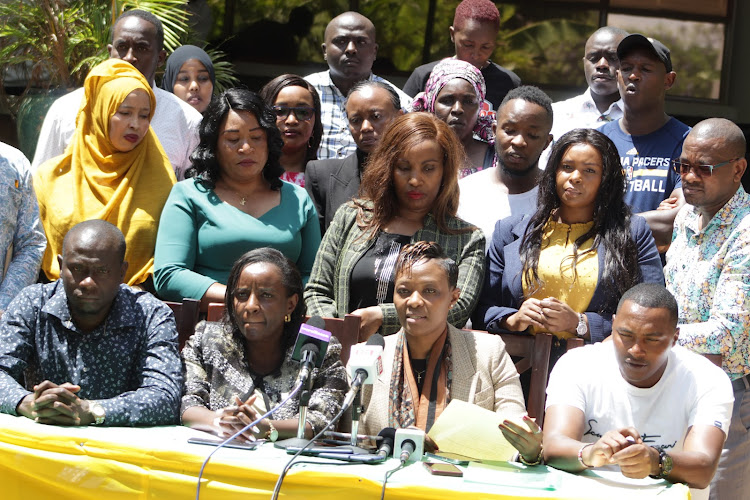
{"points": [[327, 291]]}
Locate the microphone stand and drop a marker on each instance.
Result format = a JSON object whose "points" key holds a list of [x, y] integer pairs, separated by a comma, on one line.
{"points": [[356, 412], [304, 400]]}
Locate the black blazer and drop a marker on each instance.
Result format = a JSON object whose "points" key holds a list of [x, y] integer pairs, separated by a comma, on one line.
{"points": [[330, 184]]}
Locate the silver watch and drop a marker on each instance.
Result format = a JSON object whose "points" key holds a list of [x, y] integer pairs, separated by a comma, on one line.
{"points": [[582, 328]]}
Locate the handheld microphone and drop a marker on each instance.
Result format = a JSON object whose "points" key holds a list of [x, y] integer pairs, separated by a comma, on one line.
{"points": [[386, 446], [311, 346], [410, 443], [365, 366]]}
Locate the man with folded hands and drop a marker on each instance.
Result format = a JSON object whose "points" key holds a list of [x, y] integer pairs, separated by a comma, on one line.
{"points": [[640, 403], [87, 349]]}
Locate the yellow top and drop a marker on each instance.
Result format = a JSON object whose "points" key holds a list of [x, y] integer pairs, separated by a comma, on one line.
{"points": [[555, 269], [93, 180]]}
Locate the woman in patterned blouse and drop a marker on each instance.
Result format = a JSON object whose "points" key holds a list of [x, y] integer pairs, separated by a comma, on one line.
{"points": [[238, 369]]}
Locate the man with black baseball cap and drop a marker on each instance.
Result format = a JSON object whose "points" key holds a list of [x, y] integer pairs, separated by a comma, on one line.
{"points": [[646, 137]]}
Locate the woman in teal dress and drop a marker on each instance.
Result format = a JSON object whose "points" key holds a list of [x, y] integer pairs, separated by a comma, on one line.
{"points": [[232, 202]]}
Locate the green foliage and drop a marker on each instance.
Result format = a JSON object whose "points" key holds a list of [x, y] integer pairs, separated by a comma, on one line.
{"points": [[54, 43]]}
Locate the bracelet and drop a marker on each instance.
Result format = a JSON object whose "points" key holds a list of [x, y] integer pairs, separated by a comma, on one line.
{"points": [[537, 461], [580, 456]]}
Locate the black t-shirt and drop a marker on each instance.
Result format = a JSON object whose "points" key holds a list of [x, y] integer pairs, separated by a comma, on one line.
{"points": [[499, 81], [373, 275]]}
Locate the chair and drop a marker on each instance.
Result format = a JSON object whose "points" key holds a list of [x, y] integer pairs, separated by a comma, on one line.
{"points": [[185, 317], [534, 351], [573, 342], [345, 329], [215, 311]]}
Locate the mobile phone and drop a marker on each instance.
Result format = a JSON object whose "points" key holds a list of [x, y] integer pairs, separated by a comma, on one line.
{"points": [[242, 445], [451, 458], [443, 469]]}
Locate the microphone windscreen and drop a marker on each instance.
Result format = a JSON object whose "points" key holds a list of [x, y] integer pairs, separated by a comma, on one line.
{"points": [[389, 435], [312, 333], [376, 340], [311, 348], [317, 322]]}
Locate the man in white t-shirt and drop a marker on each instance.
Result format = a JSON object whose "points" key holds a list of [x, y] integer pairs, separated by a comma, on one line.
{"points": [[138, 38], [524, 120], [640, 403]]}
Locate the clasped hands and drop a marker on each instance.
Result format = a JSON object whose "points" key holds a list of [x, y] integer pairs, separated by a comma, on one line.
{"points": [[55, 404], [550, 314], [624, 448], [231, 419]]}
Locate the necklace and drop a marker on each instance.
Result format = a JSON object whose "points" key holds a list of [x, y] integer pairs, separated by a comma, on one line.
{"points": [[419, 374]]}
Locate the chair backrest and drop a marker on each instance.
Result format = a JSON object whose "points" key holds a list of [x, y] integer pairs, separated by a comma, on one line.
{"points": [[185, 317], [215, 311], [534, 354], [573, 342], [345, 329], [713, 358]]}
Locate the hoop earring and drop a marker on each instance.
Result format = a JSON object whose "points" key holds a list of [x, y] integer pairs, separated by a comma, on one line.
{"points": [[288, 318]]}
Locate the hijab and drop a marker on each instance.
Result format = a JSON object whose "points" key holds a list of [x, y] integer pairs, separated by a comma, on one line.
{"points": [[181, 56], [445, 71], [93, 180]]}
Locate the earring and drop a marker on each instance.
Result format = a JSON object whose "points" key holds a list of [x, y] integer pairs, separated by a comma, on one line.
{"points": [[288, 318]]}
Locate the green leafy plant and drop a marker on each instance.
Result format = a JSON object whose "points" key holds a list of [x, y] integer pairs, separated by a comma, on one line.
{"points": [[54, 43]]}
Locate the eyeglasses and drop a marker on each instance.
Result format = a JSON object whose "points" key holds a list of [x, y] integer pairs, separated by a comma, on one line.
{"points": [[302, 113], [700, 170]]}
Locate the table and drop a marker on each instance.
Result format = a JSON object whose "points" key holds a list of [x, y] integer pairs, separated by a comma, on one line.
{"points": [[96, 463]]}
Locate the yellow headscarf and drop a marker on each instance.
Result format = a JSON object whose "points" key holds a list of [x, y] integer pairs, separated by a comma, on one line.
{"points": [[93, 180]]}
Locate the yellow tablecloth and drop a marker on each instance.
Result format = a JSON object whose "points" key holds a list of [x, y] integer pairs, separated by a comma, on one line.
{"points": [[38, 462]]}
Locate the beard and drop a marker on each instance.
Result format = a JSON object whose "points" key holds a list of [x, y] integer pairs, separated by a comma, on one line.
{"points": [[517, 173]]}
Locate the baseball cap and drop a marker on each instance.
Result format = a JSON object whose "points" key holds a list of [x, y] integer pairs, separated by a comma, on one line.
{"points": [[638, 41]]}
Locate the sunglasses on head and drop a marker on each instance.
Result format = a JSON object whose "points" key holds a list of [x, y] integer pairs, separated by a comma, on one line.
{"points": [[302, 113], [683, 168]]}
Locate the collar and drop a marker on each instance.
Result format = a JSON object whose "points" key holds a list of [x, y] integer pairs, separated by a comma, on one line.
{"points": [[737, 204], [589, 102], [122, 307], [329, 81]]}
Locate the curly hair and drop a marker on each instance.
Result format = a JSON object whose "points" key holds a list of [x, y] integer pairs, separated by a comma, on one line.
{"points": [[379, 203], [290, 279], [611, 226], [205, 164], [271, 90]]}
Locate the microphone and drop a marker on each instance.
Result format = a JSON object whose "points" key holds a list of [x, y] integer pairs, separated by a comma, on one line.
{"points": [[311, 346], [365, 365], [386, 446], [410, 443]]}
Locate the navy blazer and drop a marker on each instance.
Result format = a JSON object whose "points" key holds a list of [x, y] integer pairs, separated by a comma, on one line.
{"points": [[330, 184], [502, 293]]}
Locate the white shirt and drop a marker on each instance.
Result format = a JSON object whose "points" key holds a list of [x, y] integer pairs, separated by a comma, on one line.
{"points": [[578, 112], [482, 202], [175, 123], [691, 391]]}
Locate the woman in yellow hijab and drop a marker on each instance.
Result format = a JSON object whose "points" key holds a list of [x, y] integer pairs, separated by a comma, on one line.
{"points": [[114, 169]]}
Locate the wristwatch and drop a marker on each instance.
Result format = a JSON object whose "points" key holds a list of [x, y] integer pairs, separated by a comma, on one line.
{"points": [[582, 328], [665, 465], [97, 411], [272, 434]]}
